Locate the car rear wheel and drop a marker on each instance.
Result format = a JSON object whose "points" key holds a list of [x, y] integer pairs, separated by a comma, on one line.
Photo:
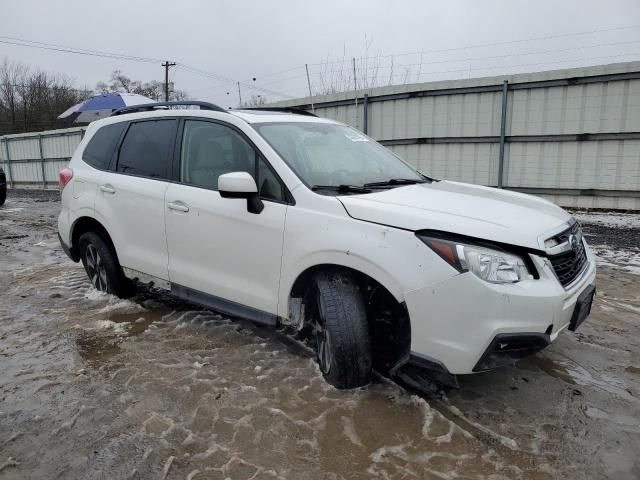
{"points": [[102, 267], [340, 330]]}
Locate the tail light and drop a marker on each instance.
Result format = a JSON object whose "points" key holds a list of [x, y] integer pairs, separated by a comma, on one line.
{"points": [[65, 175]]}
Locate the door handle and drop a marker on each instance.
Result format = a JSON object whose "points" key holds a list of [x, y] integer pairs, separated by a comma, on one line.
{"points": [[178, 206], [107, 189]]}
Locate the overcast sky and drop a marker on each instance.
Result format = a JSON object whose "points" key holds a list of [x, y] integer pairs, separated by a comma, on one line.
{"points": [[272, 40]]}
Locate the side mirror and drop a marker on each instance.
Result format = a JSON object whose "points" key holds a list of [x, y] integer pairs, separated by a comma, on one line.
{"points": [[241, 185]]}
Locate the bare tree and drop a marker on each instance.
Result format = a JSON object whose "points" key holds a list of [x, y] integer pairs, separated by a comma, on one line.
{"points": [[119, 82], [31, 100], [371, 71], [255, 101]]}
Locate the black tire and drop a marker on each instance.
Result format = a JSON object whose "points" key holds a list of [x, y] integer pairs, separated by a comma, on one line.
{"points": [[102, 266], [341, 332], [3, 187]]}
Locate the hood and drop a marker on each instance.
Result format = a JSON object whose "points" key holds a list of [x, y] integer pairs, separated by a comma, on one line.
{"points": [[472, 210]]}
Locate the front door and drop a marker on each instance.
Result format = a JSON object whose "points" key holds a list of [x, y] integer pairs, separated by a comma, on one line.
{"points": [[219, 253]]}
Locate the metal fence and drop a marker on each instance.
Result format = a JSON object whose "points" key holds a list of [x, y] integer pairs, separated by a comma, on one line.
{"points": [[33, 160], [572, 136]]}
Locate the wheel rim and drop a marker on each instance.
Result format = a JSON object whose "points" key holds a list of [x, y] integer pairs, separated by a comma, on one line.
{"points": [[323, 340], [95, 268]]}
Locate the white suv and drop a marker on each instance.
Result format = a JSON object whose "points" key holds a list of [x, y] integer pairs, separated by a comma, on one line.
{"points": [[284, 218]]}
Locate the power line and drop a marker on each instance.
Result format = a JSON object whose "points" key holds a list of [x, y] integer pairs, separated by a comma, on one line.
{"points": [[522, 64], [280, 72], [97, 53], [482, 45], [79, 51], [490, 57], [218, 77]]}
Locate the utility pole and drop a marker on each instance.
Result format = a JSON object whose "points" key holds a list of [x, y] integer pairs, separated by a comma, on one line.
{"points": [[309, 84], [166, 64], [239, 95], [355, 90]]}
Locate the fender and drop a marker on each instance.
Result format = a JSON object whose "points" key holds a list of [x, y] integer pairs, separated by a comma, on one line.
{"points": [[347, 259]]}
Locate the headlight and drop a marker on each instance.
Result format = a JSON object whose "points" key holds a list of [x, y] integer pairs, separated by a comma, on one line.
{"points": [[494, 266]]}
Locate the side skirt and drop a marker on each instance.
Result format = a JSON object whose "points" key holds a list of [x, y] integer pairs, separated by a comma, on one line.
{"points": [[141, 277], [224, 306]]}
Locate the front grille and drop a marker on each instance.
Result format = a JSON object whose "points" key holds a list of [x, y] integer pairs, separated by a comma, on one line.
{"points": [[568, 265]]}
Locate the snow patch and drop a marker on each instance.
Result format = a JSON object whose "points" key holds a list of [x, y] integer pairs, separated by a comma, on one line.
{"points": [[121, 307], [109, 325], [609, 219]]}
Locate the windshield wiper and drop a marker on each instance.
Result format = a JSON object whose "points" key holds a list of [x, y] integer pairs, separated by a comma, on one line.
{"points": [[342, 188], [394, 181]]}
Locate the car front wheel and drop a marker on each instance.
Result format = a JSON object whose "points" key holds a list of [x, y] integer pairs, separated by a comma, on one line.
{"points": [[340, 330]]}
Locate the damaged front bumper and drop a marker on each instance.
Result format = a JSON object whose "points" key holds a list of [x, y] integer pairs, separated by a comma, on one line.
{"points": [[466, 325]]}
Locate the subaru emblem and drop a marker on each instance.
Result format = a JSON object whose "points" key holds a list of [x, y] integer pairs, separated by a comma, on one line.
{"points": [[573, 241]]}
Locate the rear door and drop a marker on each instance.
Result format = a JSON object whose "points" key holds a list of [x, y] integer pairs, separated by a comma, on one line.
{"points": [[216, 246], [130, 197]]}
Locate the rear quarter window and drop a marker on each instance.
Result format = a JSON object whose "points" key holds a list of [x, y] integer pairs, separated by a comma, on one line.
{"points": [[100, 149]]}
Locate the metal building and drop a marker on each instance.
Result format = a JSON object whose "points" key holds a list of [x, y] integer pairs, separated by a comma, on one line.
{"points": [[572, 136]]}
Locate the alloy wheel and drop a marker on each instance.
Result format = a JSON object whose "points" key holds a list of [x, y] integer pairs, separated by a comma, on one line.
{"points": [[95, 268], [323, 340]]}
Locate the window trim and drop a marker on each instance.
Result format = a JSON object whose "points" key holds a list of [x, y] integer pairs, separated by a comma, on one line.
{"points": [[177, 154], [168, 162]]}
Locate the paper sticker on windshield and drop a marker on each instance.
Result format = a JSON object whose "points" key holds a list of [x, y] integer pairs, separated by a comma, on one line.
{"points": [[356, 137]]}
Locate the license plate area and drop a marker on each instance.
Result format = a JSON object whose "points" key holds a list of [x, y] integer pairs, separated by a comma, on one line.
{"points": [[582, 308]]}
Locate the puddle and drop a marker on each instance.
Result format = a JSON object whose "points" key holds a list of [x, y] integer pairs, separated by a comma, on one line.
{"points": [[97, 387], [96, 349], [553, 369]]}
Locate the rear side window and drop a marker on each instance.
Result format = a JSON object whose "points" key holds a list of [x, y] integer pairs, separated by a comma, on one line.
{"points": [[145, 148], [99, 151]]}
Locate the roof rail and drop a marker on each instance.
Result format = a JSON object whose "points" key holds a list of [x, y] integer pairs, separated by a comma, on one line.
{"points": [[146, 107], [297, 111]]}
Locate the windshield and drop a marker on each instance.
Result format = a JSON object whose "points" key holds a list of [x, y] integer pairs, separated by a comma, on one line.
{"points": [[330, 155]]}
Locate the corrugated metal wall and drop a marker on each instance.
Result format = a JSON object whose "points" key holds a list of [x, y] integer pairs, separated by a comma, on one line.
{"points": [[36, 158], [570, 135]]}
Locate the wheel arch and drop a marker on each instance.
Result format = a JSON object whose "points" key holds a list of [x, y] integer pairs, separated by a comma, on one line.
{"points": [[387, 315], [83, 225]]}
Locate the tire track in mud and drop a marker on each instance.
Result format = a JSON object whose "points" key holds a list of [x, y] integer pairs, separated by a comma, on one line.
{"points": [[224, 397], [96, 387]]}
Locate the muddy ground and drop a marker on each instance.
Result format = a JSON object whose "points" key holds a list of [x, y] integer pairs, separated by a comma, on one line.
{"points": [[93, 387]]}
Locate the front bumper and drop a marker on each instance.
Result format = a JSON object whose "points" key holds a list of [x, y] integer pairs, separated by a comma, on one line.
{"points": [[456, 321]]}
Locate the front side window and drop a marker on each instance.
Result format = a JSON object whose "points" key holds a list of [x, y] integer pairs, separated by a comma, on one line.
{"points": [[99, 150], [326, 154], [210, 149], [146, 148]]}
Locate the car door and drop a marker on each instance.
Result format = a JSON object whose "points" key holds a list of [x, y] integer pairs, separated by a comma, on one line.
{"points": [[130, 198], [220, 254]]}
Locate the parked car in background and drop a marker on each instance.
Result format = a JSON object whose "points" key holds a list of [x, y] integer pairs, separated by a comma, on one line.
{"points": [[289, 219], [3, 187]]}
